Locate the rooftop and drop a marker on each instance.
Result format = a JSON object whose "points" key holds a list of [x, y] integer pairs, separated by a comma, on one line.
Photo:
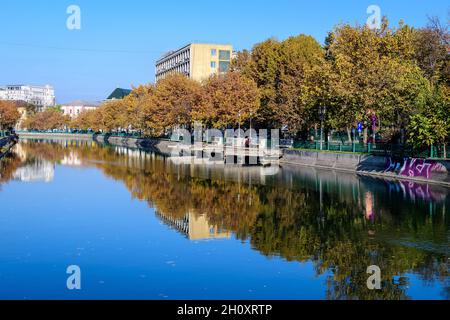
{"points": [[119, 93], [82, 103], [169, 53]]}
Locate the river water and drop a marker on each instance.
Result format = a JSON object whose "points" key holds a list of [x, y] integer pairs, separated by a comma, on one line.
{"points": [[140, 226]]}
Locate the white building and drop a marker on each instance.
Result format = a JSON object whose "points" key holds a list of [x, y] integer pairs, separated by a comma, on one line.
{"points": [[40, 96], [74, 108], [3, 94]]}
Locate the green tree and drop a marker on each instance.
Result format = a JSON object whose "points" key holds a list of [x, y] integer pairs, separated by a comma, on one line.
{"points": [[301, 58], [431, 125], [263, 67]]}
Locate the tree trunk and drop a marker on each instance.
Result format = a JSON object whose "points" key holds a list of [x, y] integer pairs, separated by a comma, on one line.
{"points": [[349, 133], [366, 135]]}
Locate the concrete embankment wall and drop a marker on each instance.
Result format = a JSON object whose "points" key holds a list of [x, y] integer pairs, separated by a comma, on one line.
{"points": [[334, 160], [6, 144], [55, 136], [160, 146], [361, 164]]}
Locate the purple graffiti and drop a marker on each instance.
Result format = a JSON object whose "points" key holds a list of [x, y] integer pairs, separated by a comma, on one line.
{"points": [[417, 168]]}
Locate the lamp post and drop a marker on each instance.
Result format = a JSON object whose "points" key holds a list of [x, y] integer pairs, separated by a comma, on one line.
{"points": [[251, 133], [374, 127], [322, 112], [239, 139]]}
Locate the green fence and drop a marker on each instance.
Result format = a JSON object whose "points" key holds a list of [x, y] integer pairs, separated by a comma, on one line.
{"points": [[4, 133], [334, 146], [440, 152], [380, 149]]}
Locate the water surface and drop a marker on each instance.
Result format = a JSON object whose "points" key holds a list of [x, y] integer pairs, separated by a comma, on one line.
{"points": [[141, 226]]}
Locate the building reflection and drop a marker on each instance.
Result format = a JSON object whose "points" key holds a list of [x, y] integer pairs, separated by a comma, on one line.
{"points": [[193, 226], [40, 171], [72, 160]]}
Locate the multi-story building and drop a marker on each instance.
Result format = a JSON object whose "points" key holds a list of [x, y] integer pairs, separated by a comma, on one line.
{"points": [[40, 96], [196, 61], [73, 109], [3, 94]]}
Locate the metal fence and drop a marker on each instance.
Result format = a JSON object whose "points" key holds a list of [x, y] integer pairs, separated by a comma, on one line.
{"points": [[4, 133], [380, 149]]}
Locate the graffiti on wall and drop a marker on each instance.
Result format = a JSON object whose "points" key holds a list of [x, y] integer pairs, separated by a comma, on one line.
{"points": [[413, 167]]}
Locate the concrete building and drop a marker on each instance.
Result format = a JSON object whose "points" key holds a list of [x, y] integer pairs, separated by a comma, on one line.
{"points": [[196, 61], [74, 108], [40, 96]]}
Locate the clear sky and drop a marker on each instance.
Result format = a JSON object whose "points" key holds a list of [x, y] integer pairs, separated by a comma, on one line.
{"points": [[120, 41]]}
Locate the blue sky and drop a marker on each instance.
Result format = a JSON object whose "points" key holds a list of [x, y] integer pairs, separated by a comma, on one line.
{"points": [[120, 41]]}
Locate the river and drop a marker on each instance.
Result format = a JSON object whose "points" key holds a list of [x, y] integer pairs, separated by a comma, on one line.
{"points": [[141, 226]]}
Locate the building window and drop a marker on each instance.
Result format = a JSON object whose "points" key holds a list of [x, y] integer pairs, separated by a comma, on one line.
{"points": [[213, 65], [213, 52], [224, 66], [224, 55]]}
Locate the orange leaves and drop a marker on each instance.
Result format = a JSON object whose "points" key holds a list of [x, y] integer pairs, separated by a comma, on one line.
{"points": [[46, 120], [230, 99], [9, 115]]}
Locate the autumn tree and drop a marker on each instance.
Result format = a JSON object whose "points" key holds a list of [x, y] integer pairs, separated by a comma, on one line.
{"points": [[89, 119], [263, 66], [373, 74], [47, 120], [139, 107], [172, 104], [112, 115], [431, 50], [9, 115], [229, 100]]}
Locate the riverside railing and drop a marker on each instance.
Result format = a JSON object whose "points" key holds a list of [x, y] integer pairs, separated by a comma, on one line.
{"points": [[78, 132], [380, 149], [4, 133]]}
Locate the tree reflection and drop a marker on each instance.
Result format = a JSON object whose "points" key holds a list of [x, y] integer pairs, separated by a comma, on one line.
{"points": [[343, 224]]}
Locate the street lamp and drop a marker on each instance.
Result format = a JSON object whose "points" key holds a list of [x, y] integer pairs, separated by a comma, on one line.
{"points": [[251, 132], [322, 112], [239, 139]]}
